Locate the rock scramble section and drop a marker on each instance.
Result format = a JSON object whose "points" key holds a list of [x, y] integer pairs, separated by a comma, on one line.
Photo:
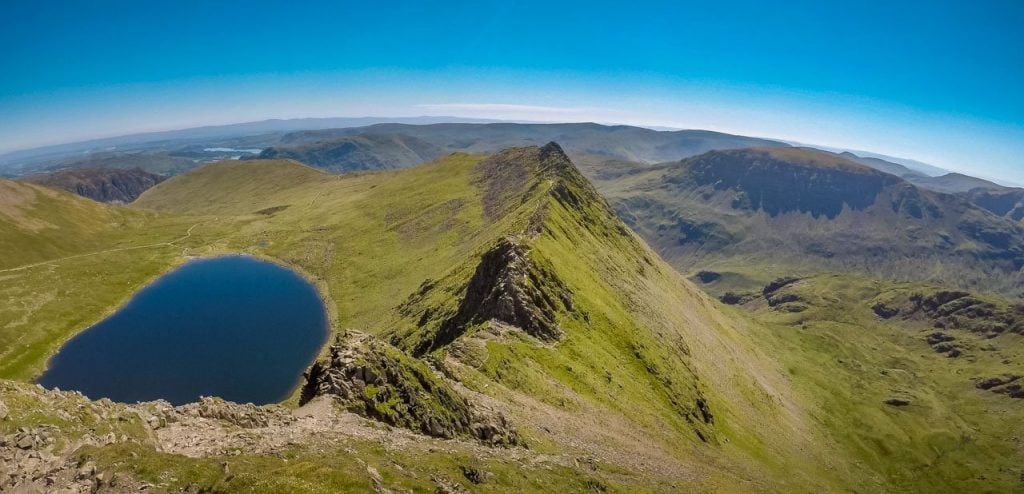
{"points": [[375, 380], [510, 288], [562, 289], [62, 442]]}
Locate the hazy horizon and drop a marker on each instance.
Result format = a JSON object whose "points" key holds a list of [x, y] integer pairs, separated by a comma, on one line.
{"points": [[938, 85]]}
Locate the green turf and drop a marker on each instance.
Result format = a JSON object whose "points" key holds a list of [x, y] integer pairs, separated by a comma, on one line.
{"points": [[796, 398]]}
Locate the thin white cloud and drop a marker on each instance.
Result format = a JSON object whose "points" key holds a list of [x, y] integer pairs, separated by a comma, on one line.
{"points": [[502, 108]]}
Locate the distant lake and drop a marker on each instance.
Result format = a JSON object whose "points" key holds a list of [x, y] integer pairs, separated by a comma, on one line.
{"points": [[232, 150], [234, 327]]}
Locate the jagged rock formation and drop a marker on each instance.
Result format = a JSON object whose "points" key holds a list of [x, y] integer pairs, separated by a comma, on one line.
{"points": [[961, 310], [60, 442], [246, 416], [116, 185], [510, 288], [948, 311], [1006, 384], [778, 284], [376, 380]]}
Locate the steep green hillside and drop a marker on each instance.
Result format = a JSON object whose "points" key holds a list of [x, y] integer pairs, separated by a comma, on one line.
{"points": [[626, 331], [68, 260], [39, 224], [918, 384], [762, 214], [497, 327]]}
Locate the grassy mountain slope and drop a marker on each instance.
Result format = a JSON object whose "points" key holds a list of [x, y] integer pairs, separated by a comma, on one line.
{"points": [[493, 286], [371, 241], [770, 213], [68, 260], [358, 153], [439, 221], [886, 387], [100, 184], [39, 223]]}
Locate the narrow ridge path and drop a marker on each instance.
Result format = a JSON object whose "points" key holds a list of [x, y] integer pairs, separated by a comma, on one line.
{"points": [[119, 249]]}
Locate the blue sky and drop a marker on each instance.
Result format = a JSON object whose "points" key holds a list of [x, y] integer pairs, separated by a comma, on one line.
{"points": [[937, 81]]}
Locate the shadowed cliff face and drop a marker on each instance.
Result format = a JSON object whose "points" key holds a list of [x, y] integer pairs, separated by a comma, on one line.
{"points": [[1008, 203], [774, 182], [801, 211], [101, 184]]}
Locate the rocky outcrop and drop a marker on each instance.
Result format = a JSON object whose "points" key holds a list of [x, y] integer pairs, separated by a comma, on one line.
{"points": [[379, 381], [246, 416], [733, 298], [41, 457], [707, 277], [31, 461], [783, 300], [961, 310], [509, 287], [884, 311], [778, 284], [114, 185], [944, 343], [1008, 384]]}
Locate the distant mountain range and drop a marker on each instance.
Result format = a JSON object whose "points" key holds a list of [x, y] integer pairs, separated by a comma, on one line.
{"points": [[179, 150], [231, 133], [342, 145], [776, 212], [357, 153], [917, 166], [385, 146]]}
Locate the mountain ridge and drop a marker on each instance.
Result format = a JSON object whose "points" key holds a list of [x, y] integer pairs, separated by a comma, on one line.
{"points": [[740, 205]]}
